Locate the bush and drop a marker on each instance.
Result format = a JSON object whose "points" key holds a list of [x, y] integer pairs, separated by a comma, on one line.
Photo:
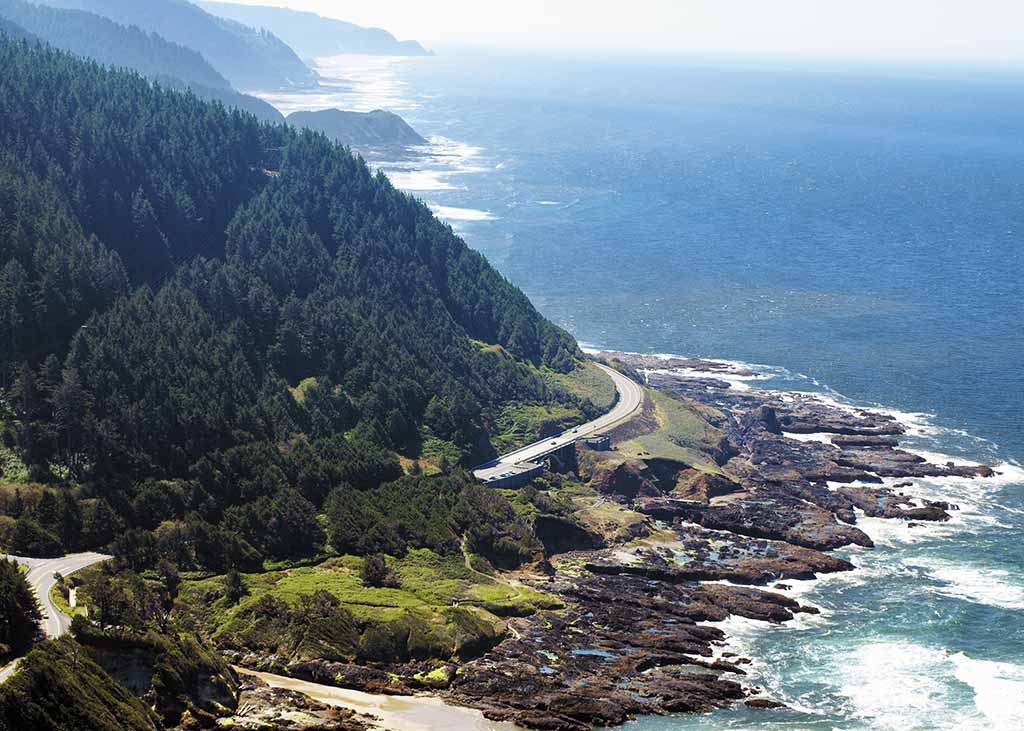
{"points": [[375, 572], [234, 587]]}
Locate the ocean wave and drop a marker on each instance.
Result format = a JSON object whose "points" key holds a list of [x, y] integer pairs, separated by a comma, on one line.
{"points": [[998, 689], [433, 166], [420, 180], [453, 150], [894, 685], [992, 586], [452, 213], [889, 532]]}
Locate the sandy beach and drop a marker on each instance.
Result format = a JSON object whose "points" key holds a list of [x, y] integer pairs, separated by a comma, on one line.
{"points": [[396, 713]]}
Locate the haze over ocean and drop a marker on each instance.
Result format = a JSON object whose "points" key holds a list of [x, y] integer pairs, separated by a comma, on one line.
{"points": [[858, 230]]}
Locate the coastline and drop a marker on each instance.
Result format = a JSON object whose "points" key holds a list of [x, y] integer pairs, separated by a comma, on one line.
{"points": [[855, 483], [926, 556], [619, 652], [881, 531]]}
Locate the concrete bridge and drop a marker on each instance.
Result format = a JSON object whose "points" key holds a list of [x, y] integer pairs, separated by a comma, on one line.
{"points": [[524, 464]]}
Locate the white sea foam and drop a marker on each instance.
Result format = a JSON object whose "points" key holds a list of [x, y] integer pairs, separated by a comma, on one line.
{"points": [[437, 163], [809, 591], [988, 585], [888, 532], [736, 382], [998, 689], [819, 437], [420, 180], [452, 213], [737, 374], [895, 685]]}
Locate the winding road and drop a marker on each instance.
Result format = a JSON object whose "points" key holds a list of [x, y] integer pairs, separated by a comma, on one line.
{"points": [[40, 578], [631, 398]]}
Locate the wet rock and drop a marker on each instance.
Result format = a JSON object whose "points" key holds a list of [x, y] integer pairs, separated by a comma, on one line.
{"points": [[845, 441], [710, 556], [625, 646], [778, 517], [930, 513]]}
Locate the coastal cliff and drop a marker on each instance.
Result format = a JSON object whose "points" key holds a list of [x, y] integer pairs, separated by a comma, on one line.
{"points": [[359, 129], [313, 35]]}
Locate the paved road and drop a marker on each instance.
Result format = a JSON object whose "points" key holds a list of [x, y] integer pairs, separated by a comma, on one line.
{"points": [[40, 578], [631, 397]]}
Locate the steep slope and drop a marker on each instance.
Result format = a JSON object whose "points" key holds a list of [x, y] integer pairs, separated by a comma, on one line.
{"points": [[243, 310], [13, 30], [99, 38], [313, 35], [103, 40], [359, 129], [59, 686], [249, 59]]}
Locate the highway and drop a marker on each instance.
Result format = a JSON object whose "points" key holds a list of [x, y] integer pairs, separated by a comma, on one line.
{"points": [[40, 578], [631, 398]]}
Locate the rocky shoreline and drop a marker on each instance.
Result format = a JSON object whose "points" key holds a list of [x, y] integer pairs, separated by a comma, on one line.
{"points": [[787, 478]]}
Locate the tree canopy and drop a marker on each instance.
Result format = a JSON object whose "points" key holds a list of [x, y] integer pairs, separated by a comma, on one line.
{"points": [[211, 323]]}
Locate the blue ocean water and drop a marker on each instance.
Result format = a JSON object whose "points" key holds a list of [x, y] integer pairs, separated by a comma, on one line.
{"points": [[860, 230]]}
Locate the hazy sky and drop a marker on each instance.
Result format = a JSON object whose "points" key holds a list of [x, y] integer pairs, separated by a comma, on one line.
{"points": [[981, 29]]}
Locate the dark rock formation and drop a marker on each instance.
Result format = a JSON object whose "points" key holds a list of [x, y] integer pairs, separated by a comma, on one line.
{"points": [[359, 129], [560, 535]]}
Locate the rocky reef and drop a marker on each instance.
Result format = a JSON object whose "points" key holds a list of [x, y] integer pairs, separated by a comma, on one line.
{"points": [[787, 484]]}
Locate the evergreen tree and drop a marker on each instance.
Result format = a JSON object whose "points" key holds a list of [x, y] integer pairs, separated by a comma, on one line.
{"points": [[19, 612]]}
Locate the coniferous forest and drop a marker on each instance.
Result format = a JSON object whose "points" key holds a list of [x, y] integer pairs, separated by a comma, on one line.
{"points": [[99, 38], [216, 331]]}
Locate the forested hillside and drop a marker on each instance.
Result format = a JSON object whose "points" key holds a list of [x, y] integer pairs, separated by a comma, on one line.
{"points": [[93, 36], [248, 58], [200, 311], [88, 34]]}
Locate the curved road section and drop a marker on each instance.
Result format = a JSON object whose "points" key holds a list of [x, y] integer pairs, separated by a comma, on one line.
{"points": [[40, 578], [631, 397]]}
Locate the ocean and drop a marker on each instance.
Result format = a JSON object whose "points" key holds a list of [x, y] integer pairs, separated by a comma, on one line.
{"points": [[858, 230]]}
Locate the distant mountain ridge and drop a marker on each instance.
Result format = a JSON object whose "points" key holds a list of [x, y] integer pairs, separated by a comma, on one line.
{"points": [[102, 39], [248, 58], [313, 35], [359, 129]]}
